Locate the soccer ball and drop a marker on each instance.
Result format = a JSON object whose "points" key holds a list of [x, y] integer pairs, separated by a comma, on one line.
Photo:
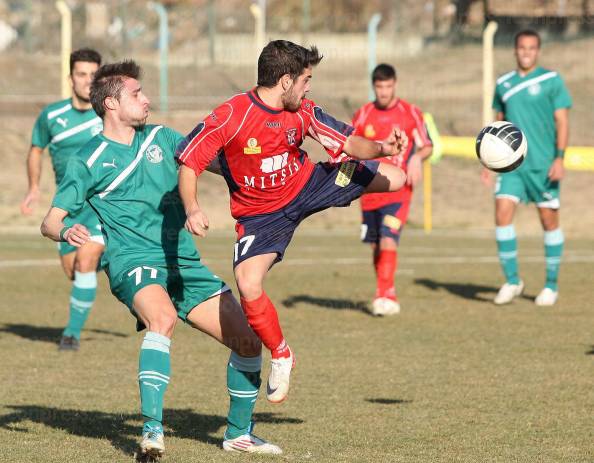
{"points": [[501, 146]]}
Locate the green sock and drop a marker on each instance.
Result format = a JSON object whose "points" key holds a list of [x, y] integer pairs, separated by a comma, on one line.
{"points": [[154, 368], [553, 244], [82, 296], [243, 382], [507, 247]]}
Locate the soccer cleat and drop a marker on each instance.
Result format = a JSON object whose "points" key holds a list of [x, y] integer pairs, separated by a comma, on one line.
{"points": [[152, 444], [546, 297], [277, 388], [69, 343], [508, 292], [249, 443], [384, 306]]}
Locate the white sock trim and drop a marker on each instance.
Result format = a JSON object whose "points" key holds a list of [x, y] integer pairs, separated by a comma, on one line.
{"points": [[505, 233], [86, 280], [553, 237], [156, 341]]}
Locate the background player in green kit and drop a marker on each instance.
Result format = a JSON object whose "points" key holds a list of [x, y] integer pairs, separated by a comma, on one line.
{"points": [[128, 174], [537, 101], [65, 126]]}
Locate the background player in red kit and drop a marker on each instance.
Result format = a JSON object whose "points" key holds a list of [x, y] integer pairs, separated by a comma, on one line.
{"points": [[384, 214], [273, 185]]}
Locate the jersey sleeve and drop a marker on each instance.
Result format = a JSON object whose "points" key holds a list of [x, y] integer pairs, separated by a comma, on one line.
{"points": [[421, 134], [41, 135], [75, 187], [325, 129], [202, 144], [561, 96], [497, 104], [173, 138], [358, 121]]}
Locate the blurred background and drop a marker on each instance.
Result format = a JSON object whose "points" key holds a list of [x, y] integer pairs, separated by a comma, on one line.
{"points": [[211, 50]]}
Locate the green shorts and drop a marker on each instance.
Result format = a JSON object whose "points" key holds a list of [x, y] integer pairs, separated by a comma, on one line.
{"points": [[528, 187], [187, 285], [89, 219]]}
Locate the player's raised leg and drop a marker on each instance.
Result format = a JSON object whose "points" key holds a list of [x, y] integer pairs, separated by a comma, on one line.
{"points": [[553, 246], [222, 318], [387, 178], [263, 319], [154, 309], [507, 247]]}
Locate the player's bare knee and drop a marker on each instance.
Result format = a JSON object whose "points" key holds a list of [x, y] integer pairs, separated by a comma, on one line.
{"points": [[85, 264], [162, 323], [249, 287]]}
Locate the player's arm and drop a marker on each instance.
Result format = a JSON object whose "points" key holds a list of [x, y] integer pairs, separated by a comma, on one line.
{"points": [[557, 170], [361, 148], [53, 228], [33, 176], [196, 219]]}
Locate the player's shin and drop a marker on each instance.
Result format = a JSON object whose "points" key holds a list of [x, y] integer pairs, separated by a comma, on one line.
{"points": [[154, 369], [553, 244], [263, 319], [243, 383], [507, 247], [82, 297], [386, 269]]}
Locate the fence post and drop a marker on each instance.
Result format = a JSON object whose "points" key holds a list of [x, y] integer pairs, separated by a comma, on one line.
{"points": [[163, 52], [258, 11], [372, 26], [66, 45], [488, 71], [212, 30]]}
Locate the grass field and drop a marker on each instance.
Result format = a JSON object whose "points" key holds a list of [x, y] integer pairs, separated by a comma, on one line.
{"points": [[452, 378]]}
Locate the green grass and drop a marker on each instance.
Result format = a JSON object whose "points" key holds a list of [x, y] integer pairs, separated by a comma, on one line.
{"points": [[452, 378]]}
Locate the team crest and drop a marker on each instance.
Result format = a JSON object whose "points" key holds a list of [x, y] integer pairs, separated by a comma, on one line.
{"points": [[534, 89], [154, 154], [291, 134], [369, 131], [252, 147]]}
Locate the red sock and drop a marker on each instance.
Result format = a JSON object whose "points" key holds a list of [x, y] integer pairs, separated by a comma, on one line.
{"points": [[386, 269], [263, 319]]}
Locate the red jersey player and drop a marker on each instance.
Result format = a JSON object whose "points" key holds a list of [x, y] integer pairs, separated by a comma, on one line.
{"points": [[384, 214], [256, 137]]}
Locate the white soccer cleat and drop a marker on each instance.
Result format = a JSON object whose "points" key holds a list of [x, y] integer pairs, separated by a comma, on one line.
{"points": [[152, 444], [248, 443], [384, 306], [546, 297], [508, 292], [277, 388]]}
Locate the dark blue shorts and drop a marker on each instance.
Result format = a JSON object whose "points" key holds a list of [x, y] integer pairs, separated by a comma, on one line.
{"points": [[386, 221], [330, 185]]}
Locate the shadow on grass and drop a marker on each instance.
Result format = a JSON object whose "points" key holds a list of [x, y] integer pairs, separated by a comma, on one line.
{"points": [[466, 290], [46, 333], [388, 401], [590, 351], [325, 302], [122, 430]]}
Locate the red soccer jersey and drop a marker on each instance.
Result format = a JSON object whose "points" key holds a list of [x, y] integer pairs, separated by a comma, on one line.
{"points": [[259, 149], [377, 124]]}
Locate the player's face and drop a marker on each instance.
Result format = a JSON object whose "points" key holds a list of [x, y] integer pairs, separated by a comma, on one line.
{"points": [[133, 105], [527, 52], [294, 95], [385, 91], [81, 78]]}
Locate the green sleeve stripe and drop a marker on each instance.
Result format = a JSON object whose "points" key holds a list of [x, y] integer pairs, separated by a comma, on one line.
{"points": [[96, 154], [76, 129], [128, 170], [511, 92], [57, 112]]}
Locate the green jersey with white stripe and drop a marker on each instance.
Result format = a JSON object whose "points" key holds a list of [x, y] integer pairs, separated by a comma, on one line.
{"points": [[133, 189], [530, 102], [65, 129]]}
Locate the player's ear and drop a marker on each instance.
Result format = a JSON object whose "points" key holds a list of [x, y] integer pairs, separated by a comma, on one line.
{"points": [[110, 103], [286, 82]]}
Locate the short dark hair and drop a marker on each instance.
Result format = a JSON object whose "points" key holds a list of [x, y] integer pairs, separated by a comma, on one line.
{"points": [[526, 33], [87, 55], [383, 72], [282, 57], [109, 81]]}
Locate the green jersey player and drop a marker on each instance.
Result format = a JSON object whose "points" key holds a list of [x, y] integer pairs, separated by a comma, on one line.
{"points": [[537, 101], [128, 174], [64, 127]]}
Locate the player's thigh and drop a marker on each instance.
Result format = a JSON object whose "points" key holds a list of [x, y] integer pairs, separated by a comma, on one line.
{"points": [[154, 309], [67, 261], [88, 256], [222, 318], [387, 178]]}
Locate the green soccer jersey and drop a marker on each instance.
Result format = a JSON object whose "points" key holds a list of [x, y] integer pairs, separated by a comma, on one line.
{"points": [[530, 102], [65, 129], [134, 191]]}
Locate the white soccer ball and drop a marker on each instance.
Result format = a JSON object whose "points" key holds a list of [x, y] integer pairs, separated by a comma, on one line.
{"points": [[501, 146]]}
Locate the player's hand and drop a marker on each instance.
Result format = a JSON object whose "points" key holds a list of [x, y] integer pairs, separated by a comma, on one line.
{"points": [[488, 178], [557, 171], [29, 201], [414, 170], [197, 223], [77, 235], [396, 144]]}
